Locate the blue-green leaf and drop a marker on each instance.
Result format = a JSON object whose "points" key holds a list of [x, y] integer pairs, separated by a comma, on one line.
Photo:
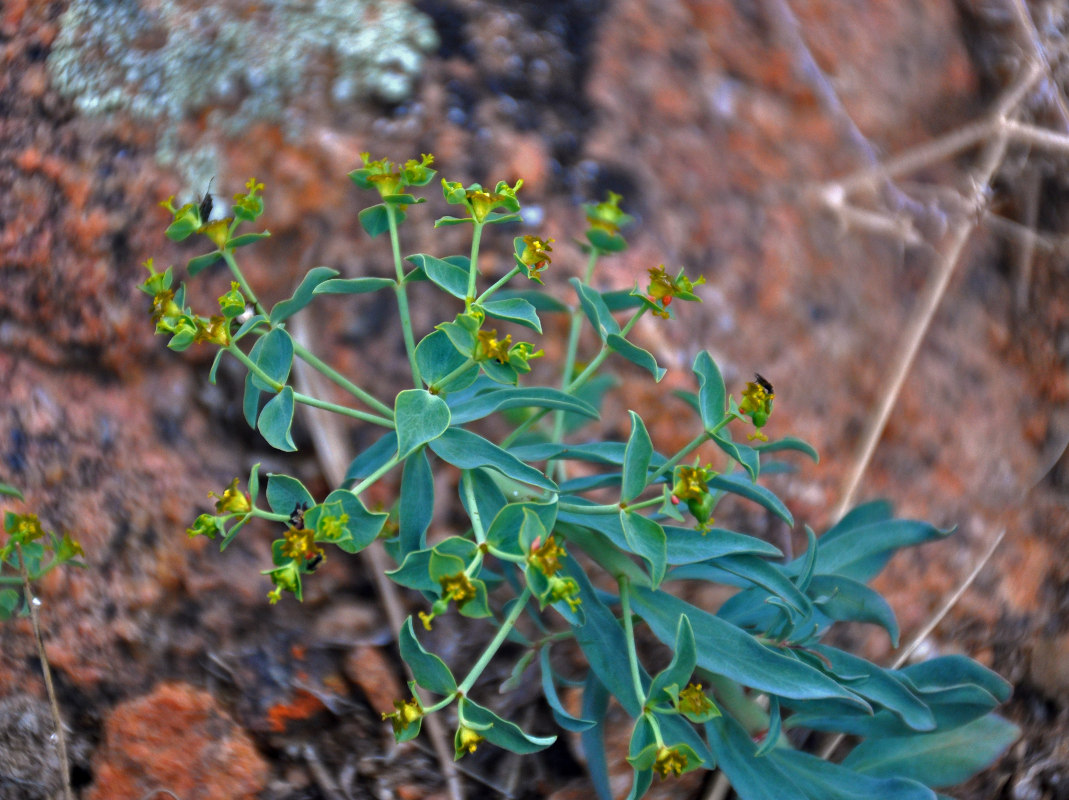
{"points": [[467, 450], [245, 239], [353, 285], [746, 456], [751, 777], [712, 395], [739, 483], [501, 398], [826, 780], [304, 294], [861, 552], [376, 219], [679, 670], [687, 546], [504, 532], [646, 539], [513, 309], [285, 494], [540, 300], [595, 705], [595, 309], [416, 504], [549, 689], [276, 419], [846, 600], [442, 273], [429, 671], [595, 452], [635, 354], [936, 759], [726, 650], [500, 731], [637, 457], [420, 417], [789, 443], [198, 264], [437, 359], [273, 354], [250, 404]]}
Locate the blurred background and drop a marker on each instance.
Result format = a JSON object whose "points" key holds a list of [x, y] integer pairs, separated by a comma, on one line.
{"points": [[755, 141]]}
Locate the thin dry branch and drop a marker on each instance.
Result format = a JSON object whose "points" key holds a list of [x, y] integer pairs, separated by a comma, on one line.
{"points": [[920, 322]]}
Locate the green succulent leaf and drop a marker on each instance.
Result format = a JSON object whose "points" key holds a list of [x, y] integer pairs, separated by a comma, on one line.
{"points": [[376, 219], [304, 295], [514, 309], [646, 539], [444, 273], [727, 650], [273, 354], [437, 359], [936, 759], [468, 450], [635, 354], [416, 506], [353, 285], [846, 600], [246, 239], [712, 395], [420, 417], [549, 689], [498, 731], [829, 781], [595, 309], [428, 669], [198, 264], [276, 420], [747, 457], [789, 443], [637, 457], [284, 494], [502, 398], [739, 483], [684, 660]]}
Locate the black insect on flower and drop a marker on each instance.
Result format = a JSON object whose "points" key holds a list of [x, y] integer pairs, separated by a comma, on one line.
{"points": [[763, 382], [297, 517], [205, 207], [313, 563]]}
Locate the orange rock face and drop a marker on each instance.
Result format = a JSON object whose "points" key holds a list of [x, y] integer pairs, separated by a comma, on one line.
{"points": [[176, 738]]}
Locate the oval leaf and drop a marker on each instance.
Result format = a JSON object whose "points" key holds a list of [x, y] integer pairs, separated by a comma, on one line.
{"points": [[420, 417], [635, 354], [304, 294], [276, 420], [712, 395]]}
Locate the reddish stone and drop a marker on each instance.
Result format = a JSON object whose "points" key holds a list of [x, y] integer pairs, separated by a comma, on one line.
{"points": [[180, 739]]}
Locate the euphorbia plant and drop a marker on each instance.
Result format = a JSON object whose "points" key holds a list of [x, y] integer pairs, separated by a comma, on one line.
{"points": [[553, 555]]}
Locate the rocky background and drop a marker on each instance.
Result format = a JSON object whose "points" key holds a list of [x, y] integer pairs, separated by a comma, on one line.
{"points": [[728, 126]]}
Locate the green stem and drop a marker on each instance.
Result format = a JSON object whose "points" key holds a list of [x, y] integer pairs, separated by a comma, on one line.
{"points": [[688, 448], [53, 703], [374, 476], [508, 277], [402, 298], [501, 555], [269, 515], [569, 358], [438, 384], [329, 372], [498, 640], [473, 264], [345, 411], [629, 634], [254, 368]]}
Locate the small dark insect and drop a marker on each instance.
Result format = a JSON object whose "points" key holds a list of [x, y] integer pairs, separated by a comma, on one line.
{"points": [[763, 382], [313, 563], [297, 517], [205, 207]]}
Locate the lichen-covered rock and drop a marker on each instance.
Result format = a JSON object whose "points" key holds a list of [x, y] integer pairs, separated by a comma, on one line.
{"points": [[232, 64]]}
